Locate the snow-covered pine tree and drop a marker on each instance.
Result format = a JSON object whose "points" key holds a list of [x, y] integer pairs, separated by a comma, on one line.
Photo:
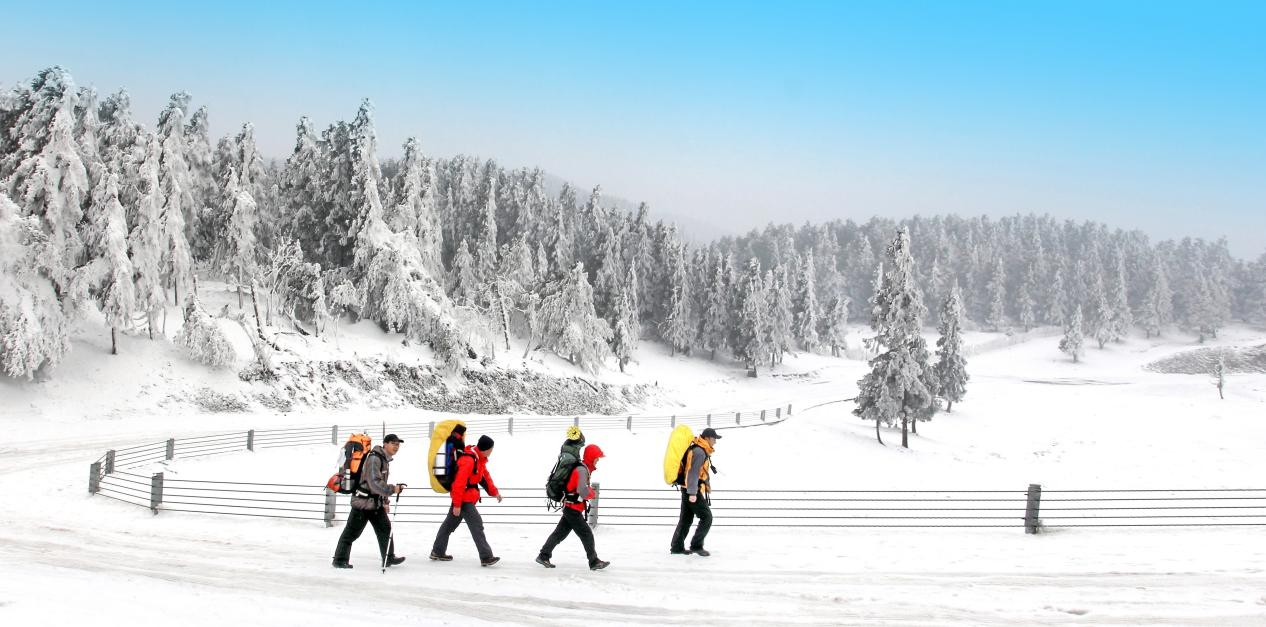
{"points": [[570, 327], [1060, 305], [780, 316], [463, 285], [145, 241], [996, 317], [176, 185], [240, 259], [609, 279], [716, 313], [45, 177], [1122, 318], [1158, 303], [624, 335], [202, 338], [807, 316], [951, 366], [749, 341], [896, 388], [1219, 375], [203, 189], [1024, 298], [1071, 343], [678, 328], [109, 273], [1101, 317], [835, 325], [33, 327], [486, 237]]}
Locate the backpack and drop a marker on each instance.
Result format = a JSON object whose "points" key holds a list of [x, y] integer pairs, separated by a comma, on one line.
{"points": [[444, 451], [350, 461], [675, 457], [556, 484]]}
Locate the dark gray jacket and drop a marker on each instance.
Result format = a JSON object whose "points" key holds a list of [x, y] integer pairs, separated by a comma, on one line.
{"points": [[373, 489]]}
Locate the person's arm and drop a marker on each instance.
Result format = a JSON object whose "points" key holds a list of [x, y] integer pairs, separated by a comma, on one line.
{"points": [[489, 486], [694, 463], [583, 490], [372, 472]]}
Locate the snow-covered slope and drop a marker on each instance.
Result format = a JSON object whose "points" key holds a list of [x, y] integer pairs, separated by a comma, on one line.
{"points": [[1030, 416]]}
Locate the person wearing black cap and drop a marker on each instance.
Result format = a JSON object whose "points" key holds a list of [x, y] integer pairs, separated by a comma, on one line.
{"points": [[695, 501], [472, 473], [369, 505]]}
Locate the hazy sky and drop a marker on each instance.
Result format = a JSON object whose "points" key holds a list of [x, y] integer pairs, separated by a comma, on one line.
{"points": [[1147, 115]]}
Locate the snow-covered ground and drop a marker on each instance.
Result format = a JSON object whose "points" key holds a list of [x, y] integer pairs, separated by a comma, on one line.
{"points": [[1031, 416]]}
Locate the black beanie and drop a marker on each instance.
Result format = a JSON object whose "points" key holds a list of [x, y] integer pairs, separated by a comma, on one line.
{"points": [[485, 443], [460, 430]]}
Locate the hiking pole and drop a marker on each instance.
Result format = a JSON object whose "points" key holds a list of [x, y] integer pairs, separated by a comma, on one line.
{"points": [[391, 537]]}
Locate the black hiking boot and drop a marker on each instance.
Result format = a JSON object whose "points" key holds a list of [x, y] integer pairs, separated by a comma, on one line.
{"points": [[490, 561], [700, 552], [436, 557], [598, 565], [338, 564], [680, 551], [395, 561], [544, 561]]}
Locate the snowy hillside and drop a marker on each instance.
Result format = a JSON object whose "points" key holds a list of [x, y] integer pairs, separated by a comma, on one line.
{"points": [[1030, 416]]}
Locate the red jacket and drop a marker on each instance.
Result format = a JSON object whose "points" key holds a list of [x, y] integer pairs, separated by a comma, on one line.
{"points": [[578, 484], [472, 470]]}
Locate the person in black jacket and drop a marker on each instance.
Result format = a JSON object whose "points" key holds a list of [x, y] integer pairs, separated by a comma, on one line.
{"points": [[370, 505]]}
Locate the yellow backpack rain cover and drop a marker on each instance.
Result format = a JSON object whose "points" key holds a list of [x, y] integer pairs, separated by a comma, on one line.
{"points": [[436, 457], [678, 442]]}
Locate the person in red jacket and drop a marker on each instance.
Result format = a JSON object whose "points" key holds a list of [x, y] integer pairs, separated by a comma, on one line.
{"points": [[578, 494], [472, 473]]}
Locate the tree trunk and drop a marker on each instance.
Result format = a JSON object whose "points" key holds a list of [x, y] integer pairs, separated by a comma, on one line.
{"points": [[1074, 357], [175, 288], [621, 362], [239, 288], [905, 435], [877, 436], [149, 323], [714, 355], [914, 426], [949, 406], [259, 328], [114, 342]]}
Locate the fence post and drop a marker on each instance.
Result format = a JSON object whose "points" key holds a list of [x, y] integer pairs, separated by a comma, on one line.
{"points": [[630, 423], [250, 440], [762, 415], [430, 428], [778, 413], [575, 422], [510, 425], [709, 420], [674, 423], [788, 409], [738, 417], [109, 467], [94, 477], [1031, 508], [171, 448], [156, 491], [593, 505], [334, 435], [330, 497]]}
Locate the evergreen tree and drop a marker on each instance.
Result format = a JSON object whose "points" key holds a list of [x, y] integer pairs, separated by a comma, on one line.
{"points": [[835, 326], [1025, 300], [109, 274], [1122, 319], [951, 367], [571, 327], [176, 184], [1158, 304], [202, 338], [748, 341], [716, 313], [33, 327], [996, 318], [1101, 318], [807, 317], [202, 186], [145, 241], [780, 316], [240, 245], [625, 331], [463, 285], [1072, 340], [896, 389]]}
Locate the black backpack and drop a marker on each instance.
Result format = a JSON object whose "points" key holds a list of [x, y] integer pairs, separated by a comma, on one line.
{"points": [[556, 484], [452, 450]]}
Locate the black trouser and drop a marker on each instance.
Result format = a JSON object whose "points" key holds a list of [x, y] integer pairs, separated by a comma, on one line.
{"points": [[356, 524], [689, 511], [572, 520], [474, 522]]}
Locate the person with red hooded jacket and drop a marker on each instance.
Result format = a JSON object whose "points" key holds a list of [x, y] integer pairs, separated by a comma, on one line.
{"points": [[472, 473], [574, 505]]}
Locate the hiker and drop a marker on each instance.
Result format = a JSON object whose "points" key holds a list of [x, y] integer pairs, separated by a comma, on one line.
{"points": [[472, 472], [369, 505], [575, 512], [695, 497]]}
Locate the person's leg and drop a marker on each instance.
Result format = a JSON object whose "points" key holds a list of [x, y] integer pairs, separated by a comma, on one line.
{"points": [[475, 523], [441, 538], [581, 527], [382, 528], [560, 533], [351, 531], [704, 511], [684, 519]]}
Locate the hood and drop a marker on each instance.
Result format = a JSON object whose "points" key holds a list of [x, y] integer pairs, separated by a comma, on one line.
{"points": [[592, 454]]}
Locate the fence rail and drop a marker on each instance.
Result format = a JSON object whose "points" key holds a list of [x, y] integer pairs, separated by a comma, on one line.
{"points": [[115, 476]]}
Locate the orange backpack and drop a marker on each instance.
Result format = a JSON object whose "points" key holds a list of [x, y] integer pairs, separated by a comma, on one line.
{"points": [[349, 463]]}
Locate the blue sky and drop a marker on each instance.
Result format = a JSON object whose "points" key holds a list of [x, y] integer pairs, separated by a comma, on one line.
{"points": [[1147, 115]]}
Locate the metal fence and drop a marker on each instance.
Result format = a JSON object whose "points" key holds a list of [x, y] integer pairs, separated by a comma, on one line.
{"points": [[114, 476]]}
